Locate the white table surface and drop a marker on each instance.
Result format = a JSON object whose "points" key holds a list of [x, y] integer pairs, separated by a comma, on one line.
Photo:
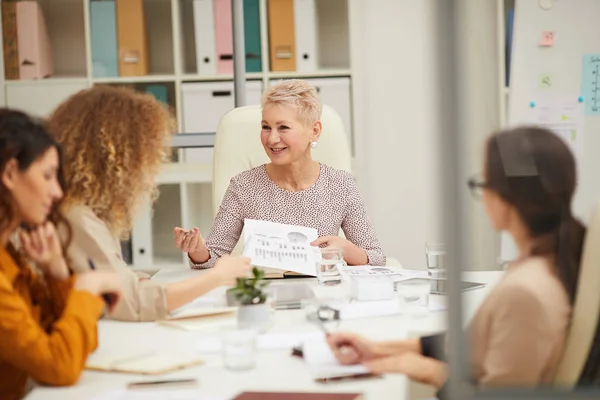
{"points": [[276, 369]]}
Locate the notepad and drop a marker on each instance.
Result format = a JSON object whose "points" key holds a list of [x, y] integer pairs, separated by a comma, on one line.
{"points": [[158, 394], [322, 363], [145, 363], [193, 319], [264, 342], [297, 396]]}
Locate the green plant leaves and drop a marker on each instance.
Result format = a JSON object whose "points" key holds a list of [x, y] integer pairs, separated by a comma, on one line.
{"points": [[250, 290]]}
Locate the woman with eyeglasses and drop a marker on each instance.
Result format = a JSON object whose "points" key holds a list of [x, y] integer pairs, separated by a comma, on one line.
{"points": [[47, 315], [518, 334]]}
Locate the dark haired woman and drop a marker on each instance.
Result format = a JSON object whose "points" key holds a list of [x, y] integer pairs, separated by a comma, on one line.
{"points": [[48, 322], [518, 334]]}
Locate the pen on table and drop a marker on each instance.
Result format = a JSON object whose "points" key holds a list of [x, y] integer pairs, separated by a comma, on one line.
{"points": [[106, 297], [168, 382]]}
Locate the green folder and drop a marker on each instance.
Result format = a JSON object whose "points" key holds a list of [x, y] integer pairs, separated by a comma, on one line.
{"points": [[252, 36]]}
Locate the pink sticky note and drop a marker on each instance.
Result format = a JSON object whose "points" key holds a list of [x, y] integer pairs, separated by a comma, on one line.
{"points": [[547, 39]]}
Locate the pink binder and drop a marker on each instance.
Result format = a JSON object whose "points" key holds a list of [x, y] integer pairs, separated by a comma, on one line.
{"points": [[223, 36], [35, 54]]}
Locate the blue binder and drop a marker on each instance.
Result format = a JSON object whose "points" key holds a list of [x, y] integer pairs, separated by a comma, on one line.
{"points": [[509, 37], [159, 92], [252, 36], [103, 23]]}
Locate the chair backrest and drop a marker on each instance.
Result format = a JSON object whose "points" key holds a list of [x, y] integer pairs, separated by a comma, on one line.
{"points": [[586, 309], [238, 146]]}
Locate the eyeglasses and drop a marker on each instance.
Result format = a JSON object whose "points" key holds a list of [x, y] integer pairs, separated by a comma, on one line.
{"points": [[476, 186]]}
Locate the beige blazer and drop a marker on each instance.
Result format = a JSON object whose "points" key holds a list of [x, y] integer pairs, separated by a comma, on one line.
{"points": [[519, 332], [143, 299]]}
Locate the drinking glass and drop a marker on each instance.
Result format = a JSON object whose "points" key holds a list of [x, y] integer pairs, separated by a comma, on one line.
{"points": [[435, 253], [413, 296], [239, 349], [329, 261]]}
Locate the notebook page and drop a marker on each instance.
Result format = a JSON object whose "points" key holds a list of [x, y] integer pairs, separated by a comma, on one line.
{"points": [[322, 363], [158, 394]]}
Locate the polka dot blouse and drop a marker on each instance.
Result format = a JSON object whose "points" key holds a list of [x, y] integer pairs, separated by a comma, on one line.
{"points": [[333, 202]]}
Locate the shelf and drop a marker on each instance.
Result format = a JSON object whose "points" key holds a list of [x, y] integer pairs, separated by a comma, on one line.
{"points": [[329, 73], [55, 80], [203, 78], [135, 79], [185, 173]]}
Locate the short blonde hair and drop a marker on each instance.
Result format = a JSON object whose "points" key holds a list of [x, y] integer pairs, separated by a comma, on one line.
{"points": [[296, 93]]}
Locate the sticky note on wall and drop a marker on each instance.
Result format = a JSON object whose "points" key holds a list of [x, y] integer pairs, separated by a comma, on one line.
{"points": [[547, 39]]}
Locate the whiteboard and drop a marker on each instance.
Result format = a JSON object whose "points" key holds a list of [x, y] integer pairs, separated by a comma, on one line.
{"points": [[576, 27]]}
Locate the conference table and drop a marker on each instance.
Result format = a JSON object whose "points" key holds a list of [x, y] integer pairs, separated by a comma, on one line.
{"points": [[276, 369]]}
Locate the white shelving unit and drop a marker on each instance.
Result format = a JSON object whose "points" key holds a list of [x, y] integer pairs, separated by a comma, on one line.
{"points": [[185, 187]]}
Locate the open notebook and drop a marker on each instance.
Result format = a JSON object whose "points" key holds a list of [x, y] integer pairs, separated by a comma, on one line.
{"points": [[146, 363], [281, 250]]}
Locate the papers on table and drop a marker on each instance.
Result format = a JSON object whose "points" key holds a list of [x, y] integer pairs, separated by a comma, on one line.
{"points": [[396, 274], [369, 309], [158, 394], [200, 303], [281, 246], [322, 363], [266, 341], [147, 362]]}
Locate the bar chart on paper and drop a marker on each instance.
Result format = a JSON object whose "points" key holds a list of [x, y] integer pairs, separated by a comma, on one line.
{"points": [[590, 84]]}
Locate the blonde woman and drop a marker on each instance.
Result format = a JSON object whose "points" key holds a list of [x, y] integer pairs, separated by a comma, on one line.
{"points": [[293, 188], [113, 142]]}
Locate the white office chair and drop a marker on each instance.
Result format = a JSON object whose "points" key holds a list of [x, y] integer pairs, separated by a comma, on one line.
{"points": [[238, 148], [586, 309]]}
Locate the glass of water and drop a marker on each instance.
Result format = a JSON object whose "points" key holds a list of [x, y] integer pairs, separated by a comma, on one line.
{"points": [[435, 253], [239, 349], [413, 296], [329, 261]]}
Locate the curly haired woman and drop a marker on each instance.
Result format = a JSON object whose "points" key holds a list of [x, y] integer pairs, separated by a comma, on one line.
{"points": [[113, 141]]}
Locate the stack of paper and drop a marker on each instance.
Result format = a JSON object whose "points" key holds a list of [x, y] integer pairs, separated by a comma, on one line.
{"points": [[148, 362], [158, 394], [396, 274], [266, 341], [191, 319]]}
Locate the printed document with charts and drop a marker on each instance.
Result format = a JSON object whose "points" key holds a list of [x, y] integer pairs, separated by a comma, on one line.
{"points": [[279, 248]]}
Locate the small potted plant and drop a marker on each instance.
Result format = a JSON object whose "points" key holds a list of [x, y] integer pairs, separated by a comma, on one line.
{"points": [[254, 312]]}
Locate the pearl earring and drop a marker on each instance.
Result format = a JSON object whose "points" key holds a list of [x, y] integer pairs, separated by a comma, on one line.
{"points": [[313, 145]]}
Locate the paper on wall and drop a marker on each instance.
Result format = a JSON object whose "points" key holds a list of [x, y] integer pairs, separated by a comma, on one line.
{"points": [[564, 117], [590, 84]]}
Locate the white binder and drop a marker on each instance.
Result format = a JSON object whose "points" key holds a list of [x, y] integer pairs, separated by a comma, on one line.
{"points": [[335, 92], [203, 105], [204, 30], [306, 26]]}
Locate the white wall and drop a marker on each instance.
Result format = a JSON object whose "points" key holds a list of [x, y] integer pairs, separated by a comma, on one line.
{"points": [[396, 78]]}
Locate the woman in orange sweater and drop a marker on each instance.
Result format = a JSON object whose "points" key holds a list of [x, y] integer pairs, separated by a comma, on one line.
{"points": [[47, 318]]}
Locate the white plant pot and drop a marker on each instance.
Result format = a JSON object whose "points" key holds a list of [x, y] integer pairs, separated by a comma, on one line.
{"points": [[255, 316]]}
